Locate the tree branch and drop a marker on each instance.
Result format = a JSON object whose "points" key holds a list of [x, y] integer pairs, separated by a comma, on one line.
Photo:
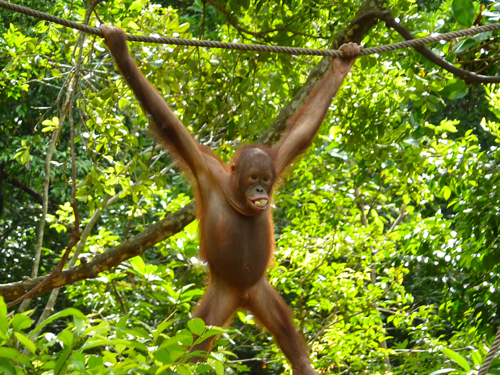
{"points": [[468, 77], [29, 190], [257, 34], [172, 224]]}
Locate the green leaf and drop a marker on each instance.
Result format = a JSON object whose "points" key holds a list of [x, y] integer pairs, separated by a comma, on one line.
{"points": [[183, 27], [78, 360], [9, 65], [122, 323], [448, 125], [61, 314], [3, 308], [98, 342], [49, 125], [138, 265], [412, 142], [66, 337], [476, 358], [211, 332], [133, 25], [202, 368], [457, 358], [464, 45], [446, 191], [163, 356], [122, 103], [406, 199], [197, 326], [276, 83], [173, 25], [241, 315], [62, 361], [7, 366], [185, 337], [161, 327], [219, 368], [136, 5], [176, 354], [4, 324], [26, 342], [21, 322], [14, 355], [463, 10], [455, 89], [95, 361]]}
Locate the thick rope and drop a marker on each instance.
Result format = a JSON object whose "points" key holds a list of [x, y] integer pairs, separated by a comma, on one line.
{"points": [[252, 47], [491, 355]]}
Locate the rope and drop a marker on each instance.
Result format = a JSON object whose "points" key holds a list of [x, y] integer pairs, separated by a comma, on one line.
{"points": [[252, 47], [491, 355]]}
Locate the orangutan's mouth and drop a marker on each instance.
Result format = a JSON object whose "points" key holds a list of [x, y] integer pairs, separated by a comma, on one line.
{"points": [[261, 202]]}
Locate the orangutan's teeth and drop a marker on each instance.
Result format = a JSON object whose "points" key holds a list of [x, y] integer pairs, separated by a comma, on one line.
{"points": [[261, 203]]}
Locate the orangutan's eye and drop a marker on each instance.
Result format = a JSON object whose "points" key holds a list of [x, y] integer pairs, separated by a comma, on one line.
{"points": [[254, 176], [266, 178]]}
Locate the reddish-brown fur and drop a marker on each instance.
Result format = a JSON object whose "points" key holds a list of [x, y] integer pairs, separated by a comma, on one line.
{"points": [[236, 226]]}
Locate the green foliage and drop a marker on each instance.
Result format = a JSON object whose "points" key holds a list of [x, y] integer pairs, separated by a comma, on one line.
{"points": [[387, 229], [90, 345], [463, 10]]}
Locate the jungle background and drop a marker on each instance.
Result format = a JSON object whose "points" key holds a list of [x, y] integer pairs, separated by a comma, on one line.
{"points": [[387, 245]]}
